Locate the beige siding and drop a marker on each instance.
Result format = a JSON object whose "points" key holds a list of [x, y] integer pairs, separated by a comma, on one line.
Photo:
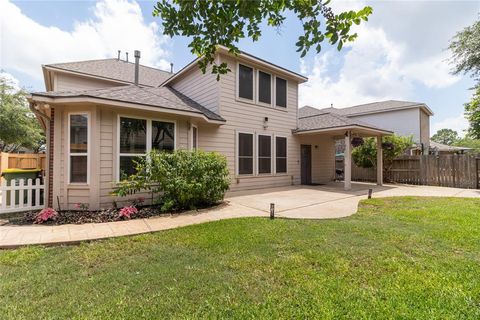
{"points": [[323, 157], [243, 116], [203, 88], [103, 155], [65, 82], [425, 129]]}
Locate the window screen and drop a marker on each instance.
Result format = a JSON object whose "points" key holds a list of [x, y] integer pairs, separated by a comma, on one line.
{"points": [[281, 92], [264, 87], [281, 154], [264, 154], [245, 82], [245, 153]]}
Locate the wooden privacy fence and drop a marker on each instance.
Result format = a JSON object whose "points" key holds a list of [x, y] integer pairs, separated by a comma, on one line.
{"points": [[457, 171], [22, 161]]}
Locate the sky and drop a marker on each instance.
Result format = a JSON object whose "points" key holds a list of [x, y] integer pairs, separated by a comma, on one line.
{"points": [[401, 52]]}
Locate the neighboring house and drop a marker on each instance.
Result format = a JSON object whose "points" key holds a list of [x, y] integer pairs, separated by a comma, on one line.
{"points": [[441, 149], [402, 117], [101, 114]]}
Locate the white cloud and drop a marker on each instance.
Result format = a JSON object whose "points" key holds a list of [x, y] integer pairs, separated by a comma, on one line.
{"points": [[116, 25], [397, 50], [458, 123], [10, 79]]}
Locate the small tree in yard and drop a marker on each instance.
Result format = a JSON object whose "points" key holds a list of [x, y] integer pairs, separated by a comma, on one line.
{"points": [[18, 126], [365, 156], [446, 136], [183, 179]]}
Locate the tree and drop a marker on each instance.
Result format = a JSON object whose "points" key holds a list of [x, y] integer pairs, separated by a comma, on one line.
{"points": [[18, 128], [225, 22], [465, 47], [365, 156], [446, 136], [469, 142]]}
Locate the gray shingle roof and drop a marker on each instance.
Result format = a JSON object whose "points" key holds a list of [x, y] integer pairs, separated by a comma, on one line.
{"points": [[367, 108], [114, 69], [161, 97], [444, 147], [330, 121]]}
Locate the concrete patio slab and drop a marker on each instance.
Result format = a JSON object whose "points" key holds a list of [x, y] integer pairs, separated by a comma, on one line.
{"points": [[299, 202]]}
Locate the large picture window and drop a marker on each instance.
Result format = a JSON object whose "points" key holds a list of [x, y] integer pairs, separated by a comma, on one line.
{"points": [[280, 92], [280, 155], [264, 154], [264, 87], [78, 148], [138, 136], [245, 82], [245, 153]]}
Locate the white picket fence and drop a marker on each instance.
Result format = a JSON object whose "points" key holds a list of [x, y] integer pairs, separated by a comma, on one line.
{"points": [[19, 196]]}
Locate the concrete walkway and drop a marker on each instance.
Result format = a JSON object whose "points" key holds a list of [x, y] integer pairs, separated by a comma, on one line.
{"points": [[302, 202]]}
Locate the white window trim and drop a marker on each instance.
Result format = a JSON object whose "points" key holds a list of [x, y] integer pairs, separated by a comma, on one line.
{"points": [[148, 137], [89, 129], [237, 84], [191, 136], [275, 154], [237, 153], [257, 86], [274, 96], [258, 154]]}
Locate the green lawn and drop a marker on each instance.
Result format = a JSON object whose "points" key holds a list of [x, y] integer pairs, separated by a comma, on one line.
{"points": [[416, 258]]}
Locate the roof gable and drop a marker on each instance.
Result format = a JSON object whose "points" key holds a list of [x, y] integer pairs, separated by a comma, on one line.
{"points": [[377, 107]]}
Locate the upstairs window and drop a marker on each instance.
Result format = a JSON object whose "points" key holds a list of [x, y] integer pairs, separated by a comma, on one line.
{"points": [[281, 154], [264, 87], [281, 92], [264, 154], [245, 153], [78, 148], [245, 82]]}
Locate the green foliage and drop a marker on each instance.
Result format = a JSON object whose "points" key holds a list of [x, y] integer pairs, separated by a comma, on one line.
{"points": [[472, 113], [184, 179], [469, 143], [465, 47], [365, 156], [226, 22], [18, 126], [446, 136]]}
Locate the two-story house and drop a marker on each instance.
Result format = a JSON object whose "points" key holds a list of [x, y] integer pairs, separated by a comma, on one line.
{"points": [[99, 115]]}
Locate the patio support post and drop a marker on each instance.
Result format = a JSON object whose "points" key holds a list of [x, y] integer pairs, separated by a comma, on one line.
{"points": [[379, 161], [347, 181]]}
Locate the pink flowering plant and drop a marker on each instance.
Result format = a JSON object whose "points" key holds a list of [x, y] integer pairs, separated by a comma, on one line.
{"points": [[127, 212], [46, 214]]}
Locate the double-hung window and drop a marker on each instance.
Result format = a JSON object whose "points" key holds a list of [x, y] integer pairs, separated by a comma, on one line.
{"points": [[280, 92], [280, 155], [245, 82], [245, 153], [78, 148], [264, 154], [264, 87], [137, 137]]}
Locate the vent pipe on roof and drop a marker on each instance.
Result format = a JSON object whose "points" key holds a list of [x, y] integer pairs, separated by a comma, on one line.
{"points": [[126, 54], [171, 67], [118, 57], [137, 65]]}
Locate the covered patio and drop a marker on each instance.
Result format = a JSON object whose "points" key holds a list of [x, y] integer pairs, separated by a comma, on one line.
{"points": [[329, 127]]}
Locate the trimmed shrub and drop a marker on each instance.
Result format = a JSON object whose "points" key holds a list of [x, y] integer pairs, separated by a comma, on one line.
{"points": [[182, 179]]}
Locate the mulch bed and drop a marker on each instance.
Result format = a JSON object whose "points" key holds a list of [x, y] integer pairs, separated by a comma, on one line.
{"points": [[85, 216]]}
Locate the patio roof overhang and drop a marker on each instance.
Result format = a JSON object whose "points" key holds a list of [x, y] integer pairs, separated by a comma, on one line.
{"points": [[340, 131]]}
